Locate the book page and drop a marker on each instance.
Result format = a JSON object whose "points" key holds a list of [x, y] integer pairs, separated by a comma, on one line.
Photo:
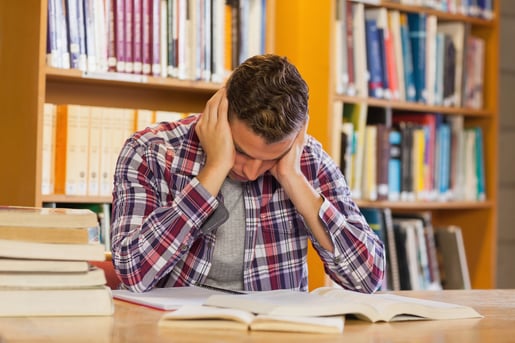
{"points": [[204, 317], [170, 298], [391, 307]]}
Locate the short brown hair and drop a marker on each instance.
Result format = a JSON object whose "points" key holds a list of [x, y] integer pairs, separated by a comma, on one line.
{"points": [[268, 94]]}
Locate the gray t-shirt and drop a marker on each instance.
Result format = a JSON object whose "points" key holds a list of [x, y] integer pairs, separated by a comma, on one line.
{"points": [[227, 262]]}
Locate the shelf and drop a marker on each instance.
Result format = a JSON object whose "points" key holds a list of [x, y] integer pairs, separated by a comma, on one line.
{"points": [[68, 86], [413, 106], [440, 14]]}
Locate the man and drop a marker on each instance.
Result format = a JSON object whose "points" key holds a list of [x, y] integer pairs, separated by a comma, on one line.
{"points": [[229, 198]]}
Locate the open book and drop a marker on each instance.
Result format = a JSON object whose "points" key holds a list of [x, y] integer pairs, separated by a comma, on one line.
{"points": [[216, 318], [329, 301]]}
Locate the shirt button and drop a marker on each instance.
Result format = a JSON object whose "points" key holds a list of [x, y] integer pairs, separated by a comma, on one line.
{"points": [[184, 248], [338, 259]]}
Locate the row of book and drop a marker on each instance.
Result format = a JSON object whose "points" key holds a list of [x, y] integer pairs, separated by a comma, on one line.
{"points": [[419, 255], [46, 264], [81, 145], [404, 156], [413, 57], [185, 39]]}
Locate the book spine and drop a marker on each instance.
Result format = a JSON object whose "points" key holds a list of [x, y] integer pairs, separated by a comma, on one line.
{"points": [[111, 35], [119, 23], [137, 35], [417, 33], [128, 23], [394, 165], [91, 50], [407, 57], [155, 39], [53, 58], [72, 30], [375, 83]]}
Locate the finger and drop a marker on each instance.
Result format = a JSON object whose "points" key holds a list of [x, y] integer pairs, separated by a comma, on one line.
{"points": [[223, 107]]}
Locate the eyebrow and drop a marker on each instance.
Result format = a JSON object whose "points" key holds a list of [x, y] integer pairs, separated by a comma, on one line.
{"points": [[240, 151]]}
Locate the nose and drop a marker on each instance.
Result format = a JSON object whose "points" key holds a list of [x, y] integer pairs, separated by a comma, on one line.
{"points": [[252, 169]]}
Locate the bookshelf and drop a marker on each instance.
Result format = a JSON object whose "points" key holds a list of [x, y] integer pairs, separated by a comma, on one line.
{"points": [[307, 34], [28, 83]]}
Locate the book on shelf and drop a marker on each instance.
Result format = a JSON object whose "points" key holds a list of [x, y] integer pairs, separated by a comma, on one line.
{"points": [[455, 33], [452, 257], [88, 301], [215, 318], [381, 221]]}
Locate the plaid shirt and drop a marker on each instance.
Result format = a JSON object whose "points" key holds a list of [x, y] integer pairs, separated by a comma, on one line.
{"points": [[159, 208]]}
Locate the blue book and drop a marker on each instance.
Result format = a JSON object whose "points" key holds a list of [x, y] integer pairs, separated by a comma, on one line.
{"points": [[407, 59], [418, 34], [394, 166], [480, 164], [384, 67], [374, 64], [444, 165]]}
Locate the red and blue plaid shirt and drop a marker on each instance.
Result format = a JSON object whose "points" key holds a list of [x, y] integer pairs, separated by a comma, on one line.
{"points": [[159, 208]]}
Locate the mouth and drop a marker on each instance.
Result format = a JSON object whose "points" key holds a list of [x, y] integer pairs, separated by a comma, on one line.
{"points": [[237, 177]]}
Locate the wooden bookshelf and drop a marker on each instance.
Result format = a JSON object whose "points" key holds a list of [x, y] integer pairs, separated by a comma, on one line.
{"points": [[27, 83], [306, 36]]}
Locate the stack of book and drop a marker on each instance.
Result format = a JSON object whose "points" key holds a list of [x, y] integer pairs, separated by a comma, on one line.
{"points": [[44, 263]]}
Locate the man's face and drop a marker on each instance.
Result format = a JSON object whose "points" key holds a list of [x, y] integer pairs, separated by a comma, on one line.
{"points": [[253, 155]]}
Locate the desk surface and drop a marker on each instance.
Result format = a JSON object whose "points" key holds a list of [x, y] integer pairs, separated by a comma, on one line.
{"points": [[132, 323]]}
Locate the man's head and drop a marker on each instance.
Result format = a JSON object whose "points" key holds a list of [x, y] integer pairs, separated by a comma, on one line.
{"points": [[268, 105], [268, 94]]}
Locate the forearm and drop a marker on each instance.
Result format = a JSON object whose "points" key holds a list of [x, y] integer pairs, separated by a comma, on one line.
{"points": [[148, 240], [307, 201], [358, 261]]}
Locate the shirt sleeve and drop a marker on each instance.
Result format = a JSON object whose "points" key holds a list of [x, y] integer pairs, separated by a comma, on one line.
{"points": [[152, 226], [358, 261]]}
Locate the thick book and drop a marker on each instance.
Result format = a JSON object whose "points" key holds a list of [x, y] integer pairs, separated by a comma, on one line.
{"points": [[331, 301], [52, 251], [199, 317], [38, 280], [46, 225], [41, 266], [95, 301]]}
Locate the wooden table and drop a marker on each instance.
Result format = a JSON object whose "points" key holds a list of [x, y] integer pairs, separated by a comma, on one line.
{"points": [[132, 323]]}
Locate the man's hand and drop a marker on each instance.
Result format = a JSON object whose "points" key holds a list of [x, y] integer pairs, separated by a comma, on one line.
{"points": [[289, 165], [215, 138]]}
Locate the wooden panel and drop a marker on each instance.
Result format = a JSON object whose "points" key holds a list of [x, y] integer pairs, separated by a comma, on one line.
{"points": [[21, 57]]}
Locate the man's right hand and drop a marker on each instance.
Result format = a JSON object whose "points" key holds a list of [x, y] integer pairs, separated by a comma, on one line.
{"points": [[215, 138]]}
